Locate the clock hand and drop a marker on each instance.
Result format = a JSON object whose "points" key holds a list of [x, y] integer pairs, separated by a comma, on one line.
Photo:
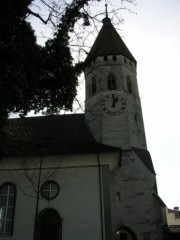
{"points": [[115, 99]]}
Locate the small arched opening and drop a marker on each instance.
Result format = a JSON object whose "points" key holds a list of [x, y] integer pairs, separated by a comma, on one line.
{"points": [[49, 225], [111, 82], [105, 58], [93, 86], [129, 84], [114, 58], [124, 233]]}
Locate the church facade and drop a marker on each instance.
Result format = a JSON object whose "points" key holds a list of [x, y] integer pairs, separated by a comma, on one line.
{"points": [[84, 176]]}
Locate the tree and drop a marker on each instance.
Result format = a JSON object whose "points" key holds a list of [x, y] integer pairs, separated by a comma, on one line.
{"points": [[32, 77], [19, 58], [38, 78]]}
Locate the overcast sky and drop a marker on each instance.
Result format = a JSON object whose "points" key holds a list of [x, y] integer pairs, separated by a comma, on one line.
{"points": [[153, 37]]}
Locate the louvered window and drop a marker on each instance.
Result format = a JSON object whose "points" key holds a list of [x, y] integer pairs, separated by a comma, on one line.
{"points": [[111, 82]]}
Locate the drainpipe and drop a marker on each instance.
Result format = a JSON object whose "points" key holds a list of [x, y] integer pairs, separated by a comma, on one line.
{"points": [[100, 195], [38, 189], [37, 200]]}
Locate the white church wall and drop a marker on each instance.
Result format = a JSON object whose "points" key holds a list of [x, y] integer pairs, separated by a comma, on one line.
{"points": [[78, 202]]}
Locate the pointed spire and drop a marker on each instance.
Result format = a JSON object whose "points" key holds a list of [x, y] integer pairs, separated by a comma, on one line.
{"points": [[106, 10], [109, 42], [106, 21]]}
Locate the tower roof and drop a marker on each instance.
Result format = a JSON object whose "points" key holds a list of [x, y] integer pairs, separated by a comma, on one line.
{"points": [[108, 42]]}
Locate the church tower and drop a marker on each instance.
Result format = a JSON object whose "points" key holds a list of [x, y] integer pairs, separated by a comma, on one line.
{"points": [[114, 117], [112, 106]]}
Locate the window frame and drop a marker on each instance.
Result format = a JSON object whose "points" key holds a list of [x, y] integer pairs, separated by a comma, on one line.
{"points": [[46, 183], [7, 206], [111, 82]]}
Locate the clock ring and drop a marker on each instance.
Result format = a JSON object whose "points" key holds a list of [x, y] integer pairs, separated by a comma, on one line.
{"points": [[113, 104]]}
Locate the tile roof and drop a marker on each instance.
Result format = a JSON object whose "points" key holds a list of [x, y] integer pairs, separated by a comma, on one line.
{"points": [[108, 42], [59, 134], [48, 135]]}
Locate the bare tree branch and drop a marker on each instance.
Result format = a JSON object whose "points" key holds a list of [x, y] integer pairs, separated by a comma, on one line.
{"points": [[29, 11], [80, 106]]}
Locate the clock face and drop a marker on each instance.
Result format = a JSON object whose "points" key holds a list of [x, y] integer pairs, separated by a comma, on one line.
{"points": [[113, 104]]}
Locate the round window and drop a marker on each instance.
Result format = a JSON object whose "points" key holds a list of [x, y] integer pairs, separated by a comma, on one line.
{"points": [[49, 189]]}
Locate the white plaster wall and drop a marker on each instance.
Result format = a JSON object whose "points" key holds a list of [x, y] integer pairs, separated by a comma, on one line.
{"points": [[78, 202]]}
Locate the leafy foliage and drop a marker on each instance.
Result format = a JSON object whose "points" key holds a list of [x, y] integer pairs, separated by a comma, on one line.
{"points": [[19, 58], [32, 77]]}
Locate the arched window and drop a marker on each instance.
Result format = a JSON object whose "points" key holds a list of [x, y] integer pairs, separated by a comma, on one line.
{"points": [[129, 85], [111, 82], [124, 234], [93, 86], [7, 208]]}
